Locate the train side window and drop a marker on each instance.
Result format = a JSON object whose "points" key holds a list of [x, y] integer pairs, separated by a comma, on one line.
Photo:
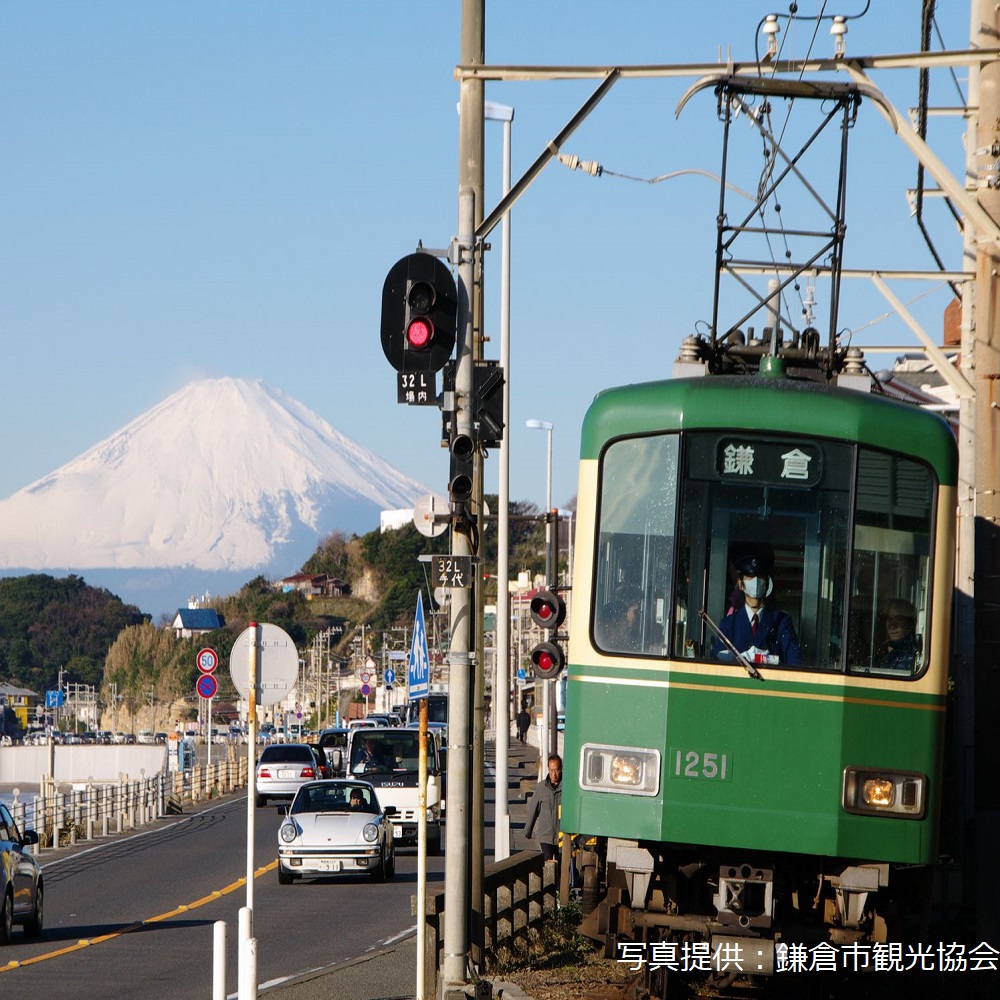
{"points": [[635, 545], [889, 603]]}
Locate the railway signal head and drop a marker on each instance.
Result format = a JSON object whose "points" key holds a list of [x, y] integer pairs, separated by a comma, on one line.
{"points": [[419, 314], [549, 611], [548, 660], [460, 477]]}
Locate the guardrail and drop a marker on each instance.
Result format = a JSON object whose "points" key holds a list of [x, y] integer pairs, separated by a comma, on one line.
{"points": [[95, 809], [517, 894]]}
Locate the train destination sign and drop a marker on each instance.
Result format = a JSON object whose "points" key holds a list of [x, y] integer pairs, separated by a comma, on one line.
{"points": [[770, 463]]}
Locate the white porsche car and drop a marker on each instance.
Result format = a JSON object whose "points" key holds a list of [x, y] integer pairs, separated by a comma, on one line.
{"points": [[336, 827]]}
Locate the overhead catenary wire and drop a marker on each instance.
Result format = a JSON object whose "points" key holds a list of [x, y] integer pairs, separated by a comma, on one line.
{"points": [[595, 169]]}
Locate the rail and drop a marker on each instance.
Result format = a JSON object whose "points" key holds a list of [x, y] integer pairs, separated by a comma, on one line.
{"points": [[517, 894], [100, 809]]}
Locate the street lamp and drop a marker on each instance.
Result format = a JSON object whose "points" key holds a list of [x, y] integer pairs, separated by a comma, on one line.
{"points": [[501, 686], [549, 735]]}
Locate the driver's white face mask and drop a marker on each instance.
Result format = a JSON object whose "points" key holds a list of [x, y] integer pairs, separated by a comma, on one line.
{"points": [[755, 587]]}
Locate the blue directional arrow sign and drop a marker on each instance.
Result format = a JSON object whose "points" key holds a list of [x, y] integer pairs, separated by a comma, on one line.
{"points": [[54, 699], [418, 668]]}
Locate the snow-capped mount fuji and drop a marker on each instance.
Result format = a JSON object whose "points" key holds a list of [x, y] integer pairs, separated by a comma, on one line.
{"points": [[226, 475]]}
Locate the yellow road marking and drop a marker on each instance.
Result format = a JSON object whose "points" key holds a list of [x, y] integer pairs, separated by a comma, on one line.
{"points": [[128, 928]]}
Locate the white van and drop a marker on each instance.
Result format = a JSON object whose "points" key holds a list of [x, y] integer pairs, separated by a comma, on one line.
{"points": [[393, 772], [144, 736]]}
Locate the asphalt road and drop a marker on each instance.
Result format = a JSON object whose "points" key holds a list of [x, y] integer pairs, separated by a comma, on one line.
{"points": [[134, 917]]}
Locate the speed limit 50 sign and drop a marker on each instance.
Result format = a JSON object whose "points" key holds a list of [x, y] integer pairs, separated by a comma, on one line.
{"points": [[208, 660]]}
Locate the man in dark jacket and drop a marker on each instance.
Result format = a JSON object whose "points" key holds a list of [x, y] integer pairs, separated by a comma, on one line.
{"points": [[545, 811], [523, 721]]}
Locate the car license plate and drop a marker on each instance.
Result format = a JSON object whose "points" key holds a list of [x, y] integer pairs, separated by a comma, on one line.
{"points": [[397, 831], [286, 772], [330, 865]]}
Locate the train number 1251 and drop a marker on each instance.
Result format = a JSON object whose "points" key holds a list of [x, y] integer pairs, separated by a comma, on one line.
{"points": [[700, 764]]}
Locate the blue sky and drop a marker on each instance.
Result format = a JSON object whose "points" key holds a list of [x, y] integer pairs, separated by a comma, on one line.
{"points": [[195, 189]]}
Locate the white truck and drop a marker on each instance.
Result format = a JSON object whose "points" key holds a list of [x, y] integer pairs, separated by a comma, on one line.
{"points": [[388, 758]]}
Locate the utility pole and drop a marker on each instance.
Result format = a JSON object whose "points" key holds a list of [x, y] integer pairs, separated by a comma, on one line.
{"points": [[983, 440], [454, 970]]}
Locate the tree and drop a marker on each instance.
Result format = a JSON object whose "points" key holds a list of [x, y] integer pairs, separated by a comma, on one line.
{"points": [[50, 623]]}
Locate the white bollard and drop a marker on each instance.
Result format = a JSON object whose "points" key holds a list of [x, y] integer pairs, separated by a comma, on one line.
{"points": [[252, 969], [219, 960], [243, 973]]}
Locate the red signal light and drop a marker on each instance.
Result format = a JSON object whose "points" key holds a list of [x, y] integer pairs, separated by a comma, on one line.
{"points": [[548, 660], [547, 609], [420, 333]]}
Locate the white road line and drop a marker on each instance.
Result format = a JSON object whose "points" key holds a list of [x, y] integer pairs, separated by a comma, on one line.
{"points": [[136, 836]]}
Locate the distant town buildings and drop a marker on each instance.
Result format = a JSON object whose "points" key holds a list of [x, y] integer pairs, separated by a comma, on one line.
{"points": [[315, 585]]}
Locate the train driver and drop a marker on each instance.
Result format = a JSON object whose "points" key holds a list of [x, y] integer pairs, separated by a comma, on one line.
{"points": [[758, 630], [900, 650]]}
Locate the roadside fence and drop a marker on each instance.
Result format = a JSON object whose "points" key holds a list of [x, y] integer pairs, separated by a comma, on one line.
{"points": [[518, 893], [91, 810]]}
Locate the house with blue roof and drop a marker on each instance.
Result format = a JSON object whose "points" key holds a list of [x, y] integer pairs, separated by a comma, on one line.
{"points": [[189, 622]]}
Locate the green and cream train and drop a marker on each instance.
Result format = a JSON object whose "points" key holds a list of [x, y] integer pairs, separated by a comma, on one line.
{"points": [[743, 794]]}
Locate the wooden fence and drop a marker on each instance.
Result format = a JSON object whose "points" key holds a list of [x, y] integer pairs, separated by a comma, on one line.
{"points": [[517, 894]]}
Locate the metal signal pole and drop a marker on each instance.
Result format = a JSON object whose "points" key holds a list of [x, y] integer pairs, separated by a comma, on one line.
{"points": [[454, 970]]}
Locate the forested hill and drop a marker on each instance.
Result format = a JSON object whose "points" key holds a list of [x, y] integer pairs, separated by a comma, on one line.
{"points": [[47, 623]]}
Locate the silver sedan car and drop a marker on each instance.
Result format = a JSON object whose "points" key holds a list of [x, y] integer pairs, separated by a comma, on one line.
{"points": [[283, 768], [20, 879], [336, 827]]}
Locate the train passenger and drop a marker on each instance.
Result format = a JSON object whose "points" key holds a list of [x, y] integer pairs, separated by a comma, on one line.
{"points": [[545, 808], [619, 626], [900, 650], [761, 632]]}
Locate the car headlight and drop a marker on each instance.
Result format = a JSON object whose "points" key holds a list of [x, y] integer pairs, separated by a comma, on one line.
{"points": [[288, 832], [628, 770], [873, 792], [370, 833]]}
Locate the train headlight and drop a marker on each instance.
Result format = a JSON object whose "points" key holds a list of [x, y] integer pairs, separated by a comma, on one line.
{"points": [[877, 792], [627, 770], [874, 792]]}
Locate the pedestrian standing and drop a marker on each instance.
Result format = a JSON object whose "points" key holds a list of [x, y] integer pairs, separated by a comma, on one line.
{"points": [[546, 810], [523, 721]]}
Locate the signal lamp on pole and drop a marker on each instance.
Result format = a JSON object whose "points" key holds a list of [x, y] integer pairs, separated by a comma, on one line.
{"points": [[548, 660], [549, 611], [419, 314], [460, 479]]}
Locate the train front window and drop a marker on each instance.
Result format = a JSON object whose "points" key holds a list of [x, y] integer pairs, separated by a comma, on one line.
{"points": [[802, 553], [887, 626], [764, 549], [635, 546]]}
